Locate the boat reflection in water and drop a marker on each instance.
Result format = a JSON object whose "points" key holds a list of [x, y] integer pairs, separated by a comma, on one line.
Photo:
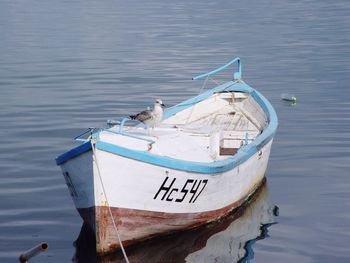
{"points": [[229, 239]]}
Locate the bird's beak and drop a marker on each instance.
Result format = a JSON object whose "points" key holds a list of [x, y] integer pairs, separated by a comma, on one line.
{"points": [[162, 105]]}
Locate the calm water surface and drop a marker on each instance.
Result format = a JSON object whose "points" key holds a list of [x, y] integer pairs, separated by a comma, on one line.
{"points": [[69, 65]]}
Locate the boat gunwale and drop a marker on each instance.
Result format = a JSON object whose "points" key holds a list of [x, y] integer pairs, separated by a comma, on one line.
{"points": [[244, 153]]}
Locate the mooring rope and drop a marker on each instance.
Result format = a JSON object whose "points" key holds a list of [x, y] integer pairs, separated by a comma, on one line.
{"points": [[109, 208]]}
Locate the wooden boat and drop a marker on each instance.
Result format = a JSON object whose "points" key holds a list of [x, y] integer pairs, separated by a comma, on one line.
{"points": [[205, 158]]}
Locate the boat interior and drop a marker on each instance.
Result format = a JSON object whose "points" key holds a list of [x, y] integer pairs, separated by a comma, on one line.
{"points": [[207, 131]]}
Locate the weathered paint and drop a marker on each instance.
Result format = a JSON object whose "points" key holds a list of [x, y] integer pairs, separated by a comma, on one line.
{"points": [[144, 214], [142, 225], [233, 233]]}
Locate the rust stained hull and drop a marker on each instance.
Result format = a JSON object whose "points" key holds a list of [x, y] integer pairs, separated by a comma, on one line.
{"points": [[137, 225]]}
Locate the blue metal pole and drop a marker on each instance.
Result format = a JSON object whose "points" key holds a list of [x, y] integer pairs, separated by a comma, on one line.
{"points": [[236, 75], [122, 125]]}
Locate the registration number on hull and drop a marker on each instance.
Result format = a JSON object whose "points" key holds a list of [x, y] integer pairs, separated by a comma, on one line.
{"points": [[172, 191]]}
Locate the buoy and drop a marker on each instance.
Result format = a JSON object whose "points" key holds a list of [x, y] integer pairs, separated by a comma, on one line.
{"points": [[24, 257], [288, 97]]}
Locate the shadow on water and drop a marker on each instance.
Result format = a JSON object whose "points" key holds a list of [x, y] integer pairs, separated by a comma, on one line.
{"points": [[230, 239]]}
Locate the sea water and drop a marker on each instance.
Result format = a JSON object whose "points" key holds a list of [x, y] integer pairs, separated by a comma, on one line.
{"points": [[69, 65]]}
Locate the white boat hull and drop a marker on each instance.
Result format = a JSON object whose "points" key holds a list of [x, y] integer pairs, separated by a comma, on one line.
{"points": [[149, 200], [206, 157]]}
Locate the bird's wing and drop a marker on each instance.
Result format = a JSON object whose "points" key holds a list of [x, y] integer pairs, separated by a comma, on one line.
{"points": [[144, 115]]}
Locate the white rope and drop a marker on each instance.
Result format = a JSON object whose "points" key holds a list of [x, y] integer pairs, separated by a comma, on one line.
{"points": [[200, 91], [109, 208], [213, 80]]}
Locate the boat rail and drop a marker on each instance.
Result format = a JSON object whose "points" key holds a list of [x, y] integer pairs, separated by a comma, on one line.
{"points": [[79, 137], [122, 132], [236, 76], [119, 132]]}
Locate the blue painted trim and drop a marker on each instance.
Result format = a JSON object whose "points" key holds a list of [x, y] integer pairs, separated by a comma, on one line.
{"points": [[85, 147], [229, 163], [228, 86], [271, 128], [197, 167]]}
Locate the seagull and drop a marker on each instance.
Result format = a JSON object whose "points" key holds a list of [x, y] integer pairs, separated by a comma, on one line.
{"points": [[150, 117]]}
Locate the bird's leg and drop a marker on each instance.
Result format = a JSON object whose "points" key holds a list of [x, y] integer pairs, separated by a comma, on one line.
{"points": [[147, 127], [153, 133]]}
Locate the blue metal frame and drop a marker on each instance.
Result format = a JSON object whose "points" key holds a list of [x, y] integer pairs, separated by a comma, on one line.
{"points": [[122, 124], [78, 138], [237, 75]]}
